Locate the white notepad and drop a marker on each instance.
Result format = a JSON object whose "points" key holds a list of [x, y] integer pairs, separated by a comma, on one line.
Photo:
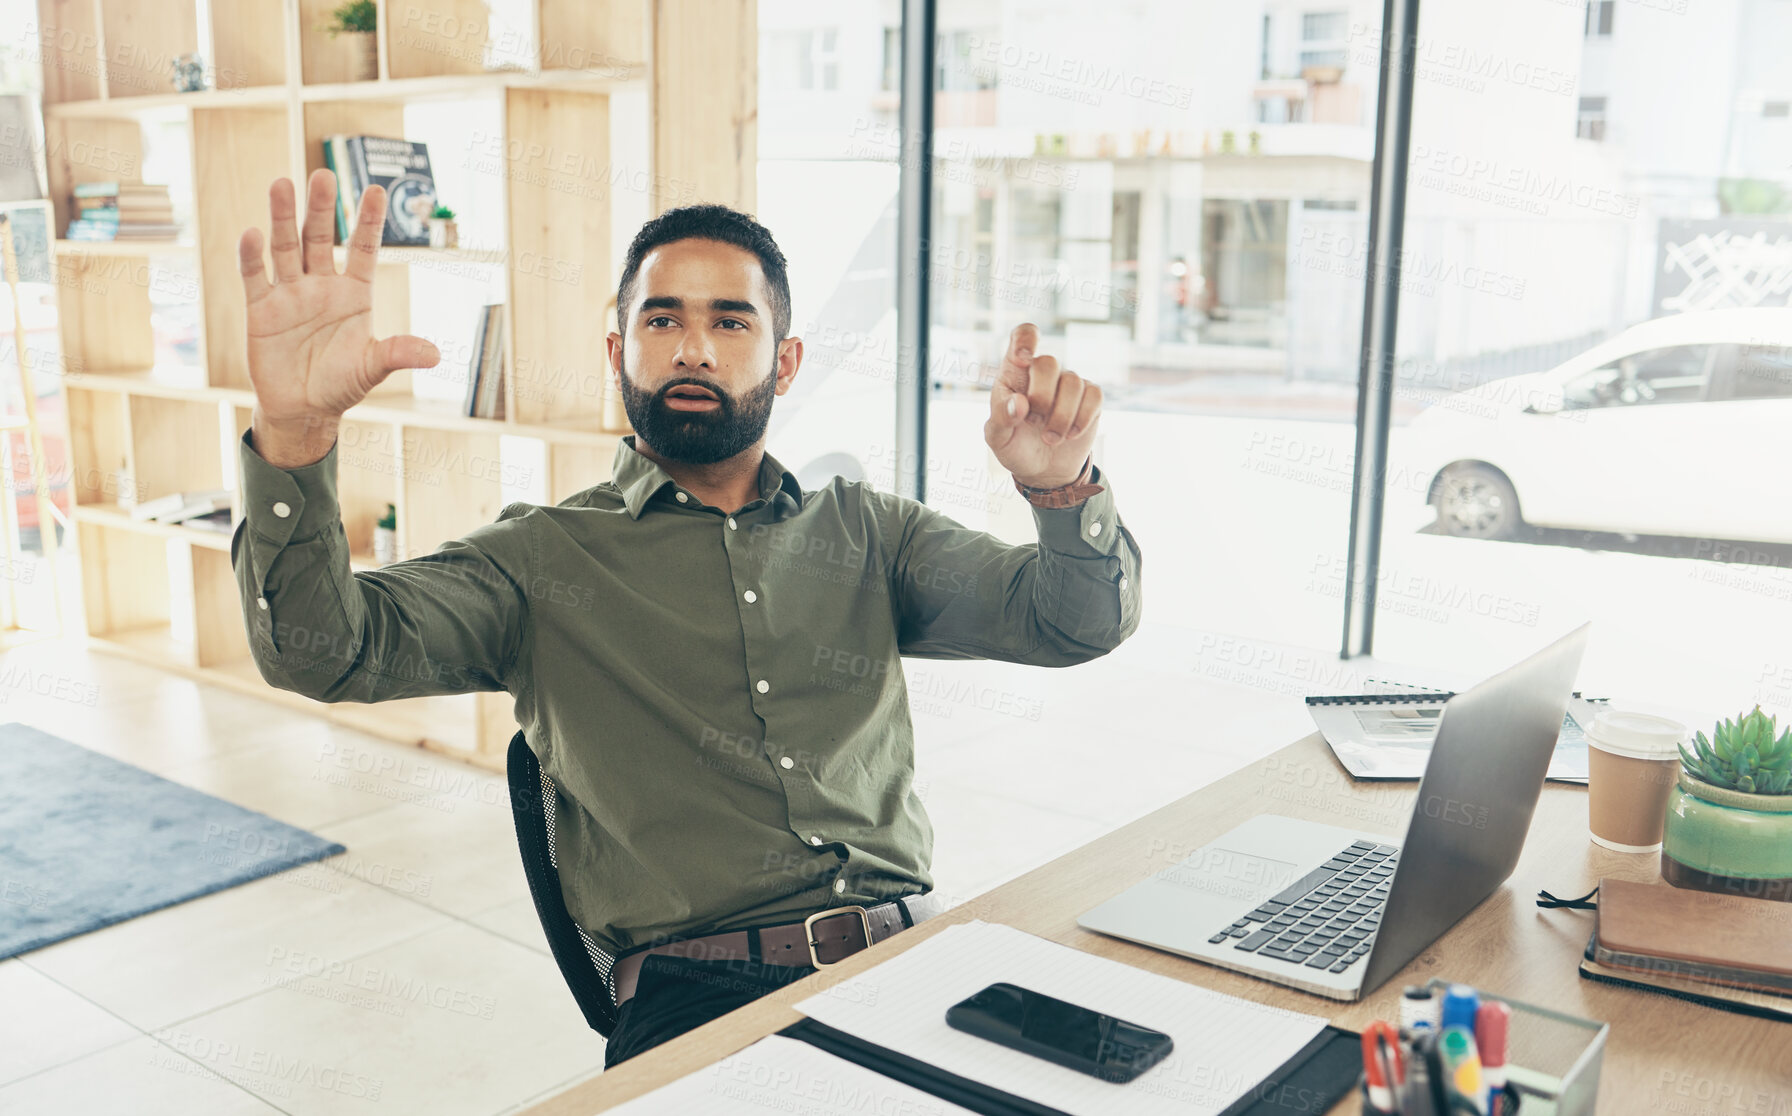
{"points": [[788, 1077], [1224, 1046]]}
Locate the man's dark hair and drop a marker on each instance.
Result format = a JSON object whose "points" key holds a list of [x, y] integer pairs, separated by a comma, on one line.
{"points": [[710, 222]]}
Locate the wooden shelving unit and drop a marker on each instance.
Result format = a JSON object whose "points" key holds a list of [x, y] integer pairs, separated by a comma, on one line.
{"points": [[140, 428]]}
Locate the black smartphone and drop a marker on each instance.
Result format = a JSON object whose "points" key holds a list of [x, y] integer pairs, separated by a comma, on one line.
{"points": [[1047, 1027]]}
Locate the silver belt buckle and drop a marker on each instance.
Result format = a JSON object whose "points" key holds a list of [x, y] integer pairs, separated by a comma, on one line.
{"points": [[809, 930]]}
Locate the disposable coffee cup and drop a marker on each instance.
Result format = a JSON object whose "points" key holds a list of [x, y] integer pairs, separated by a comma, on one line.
{"points": [[1633, 762]]}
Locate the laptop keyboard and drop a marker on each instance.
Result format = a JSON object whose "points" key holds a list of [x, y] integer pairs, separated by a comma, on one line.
{"points": [[1328, 918]]}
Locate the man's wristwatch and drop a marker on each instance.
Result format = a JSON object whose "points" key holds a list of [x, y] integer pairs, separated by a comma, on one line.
{"points": [[1065, 495]]}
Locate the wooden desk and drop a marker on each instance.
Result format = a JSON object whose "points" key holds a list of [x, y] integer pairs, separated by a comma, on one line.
{"points": [[1663, 1055]]}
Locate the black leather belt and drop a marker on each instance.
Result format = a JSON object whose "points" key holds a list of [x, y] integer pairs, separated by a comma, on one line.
{"points": [[824, 938]]}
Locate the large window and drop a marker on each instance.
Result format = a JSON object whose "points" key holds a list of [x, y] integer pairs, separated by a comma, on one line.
{"points": [[827, 191], [1164, 207], [1589, 373], [1599, 334]]}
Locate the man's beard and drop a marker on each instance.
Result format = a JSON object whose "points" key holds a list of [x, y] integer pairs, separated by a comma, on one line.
{"points": [[699, 437]]}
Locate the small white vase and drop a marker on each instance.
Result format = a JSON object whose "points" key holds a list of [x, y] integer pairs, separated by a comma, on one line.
{"points": [[364, 56]]}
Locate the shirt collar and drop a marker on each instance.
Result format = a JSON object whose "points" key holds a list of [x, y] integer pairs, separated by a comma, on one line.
{"points": [[641, 478]]}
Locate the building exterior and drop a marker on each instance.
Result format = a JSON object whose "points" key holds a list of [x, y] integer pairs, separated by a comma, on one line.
{"points": [[1180, 193]]}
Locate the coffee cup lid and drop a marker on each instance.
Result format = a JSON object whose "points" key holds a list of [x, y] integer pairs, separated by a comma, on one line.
{"points": [[1636, 735]]}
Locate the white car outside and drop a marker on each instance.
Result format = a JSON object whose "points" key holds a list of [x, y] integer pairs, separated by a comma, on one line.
{"points": [[1677, 426]]}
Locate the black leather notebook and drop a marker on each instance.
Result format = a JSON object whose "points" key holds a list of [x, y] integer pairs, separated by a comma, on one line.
{"points": [[1310, 1082]]}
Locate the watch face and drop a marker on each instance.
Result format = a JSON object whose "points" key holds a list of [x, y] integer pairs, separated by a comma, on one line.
{"points": [[410, 201]]}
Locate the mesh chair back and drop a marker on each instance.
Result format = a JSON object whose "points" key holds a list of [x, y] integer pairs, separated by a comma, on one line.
{"points": [[584, 964]]}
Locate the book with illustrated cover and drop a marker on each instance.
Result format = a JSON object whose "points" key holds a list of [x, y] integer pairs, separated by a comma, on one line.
{"points": [[402, 167]]}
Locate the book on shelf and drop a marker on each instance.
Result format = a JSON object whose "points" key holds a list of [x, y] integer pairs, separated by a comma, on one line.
{"points": [[178, 507], [469, 406], [485, 371], [401, 167]]}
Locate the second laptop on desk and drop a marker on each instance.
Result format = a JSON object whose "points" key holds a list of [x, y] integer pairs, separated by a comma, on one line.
{"points": [[1338, 911]]}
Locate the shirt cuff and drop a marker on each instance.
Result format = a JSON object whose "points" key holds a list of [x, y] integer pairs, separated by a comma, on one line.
{"points": [[1067, 495], [288, 505], [1090, 528]]}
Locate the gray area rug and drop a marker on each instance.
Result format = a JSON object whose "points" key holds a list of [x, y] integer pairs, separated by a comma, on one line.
{"points": [[87, 841]]}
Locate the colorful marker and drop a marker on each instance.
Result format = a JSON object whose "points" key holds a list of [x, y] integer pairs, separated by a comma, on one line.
{"points": [[1460, 1004], [1491, 1024], [1462, 1066]]}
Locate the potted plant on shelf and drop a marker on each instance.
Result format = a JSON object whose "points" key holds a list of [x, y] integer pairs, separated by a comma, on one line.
{"points": [[385, 536], [357, 19], [1729, 823], [442, 231], [189, 73]]}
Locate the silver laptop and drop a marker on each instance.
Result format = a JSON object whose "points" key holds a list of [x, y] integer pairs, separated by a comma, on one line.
{"points": [[1337, 911]]}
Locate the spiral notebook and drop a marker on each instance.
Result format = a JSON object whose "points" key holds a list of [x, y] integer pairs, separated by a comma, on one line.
{"points": [[1388, 736]]}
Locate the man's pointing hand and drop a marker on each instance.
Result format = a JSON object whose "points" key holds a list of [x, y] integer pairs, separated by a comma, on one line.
{"points": [[1041, 417]]}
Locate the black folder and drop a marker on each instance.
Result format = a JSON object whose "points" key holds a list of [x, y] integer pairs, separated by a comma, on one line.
{"points": [[1310, 1082]]}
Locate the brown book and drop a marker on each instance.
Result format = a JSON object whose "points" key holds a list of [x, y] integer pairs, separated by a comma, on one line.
{"points": [[1694, 935]]}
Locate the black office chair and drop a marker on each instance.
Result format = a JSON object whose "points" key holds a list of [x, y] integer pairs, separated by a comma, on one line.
{"points": [[582, 962]]}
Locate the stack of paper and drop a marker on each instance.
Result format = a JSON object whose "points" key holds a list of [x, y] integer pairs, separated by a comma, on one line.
{"points": [[1224, 1046]]}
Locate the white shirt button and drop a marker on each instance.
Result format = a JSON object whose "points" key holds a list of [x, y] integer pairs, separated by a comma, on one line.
{"points": [[261, 603], [1095, 528], [732, 526], [681, 497], [787, 763], [1123, 584], [282, 509], [839, 885], [750, 596], [815, 840], [763, 686]]}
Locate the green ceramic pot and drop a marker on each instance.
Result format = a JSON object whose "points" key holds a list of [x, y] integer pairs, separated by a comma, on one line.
{"points": [[1728, 841]]}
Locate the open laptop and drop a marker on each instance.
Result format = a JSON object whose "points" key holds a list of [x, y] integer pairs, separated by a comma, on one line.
{"points": [[1337, 911]]}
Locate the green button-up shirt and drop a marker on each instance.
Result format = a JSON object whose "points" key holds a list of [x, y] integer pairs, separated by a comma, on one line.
{"points": [[718, 697]]}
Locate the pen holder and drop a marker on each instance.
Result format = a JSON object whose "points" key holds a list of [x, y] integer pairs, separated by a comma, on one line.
{"points": [[1511, 1100], [1552, 1059]]}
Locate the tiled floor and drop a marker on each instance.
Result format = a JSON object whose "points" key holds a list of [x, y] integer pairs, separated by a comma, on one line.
{"points": [[410, 974]]}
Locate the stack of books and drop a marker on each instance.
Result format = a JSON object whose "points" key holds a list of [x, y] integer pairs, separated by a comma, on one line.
{"points": [[197, 508], [122, 211], [485, 371], [1728, 951]]}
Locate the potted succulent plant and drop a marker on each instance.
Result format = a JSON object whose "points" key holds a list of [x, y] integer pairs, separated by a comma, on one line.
{"points": [[442, 231], [1729, 823], [357, 19], [385, 536]]}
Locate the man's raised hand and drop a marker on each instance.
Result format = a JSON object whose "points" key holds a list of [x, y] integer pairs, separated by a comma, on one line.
{"points": [[1041, 418], [312, 354]]}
